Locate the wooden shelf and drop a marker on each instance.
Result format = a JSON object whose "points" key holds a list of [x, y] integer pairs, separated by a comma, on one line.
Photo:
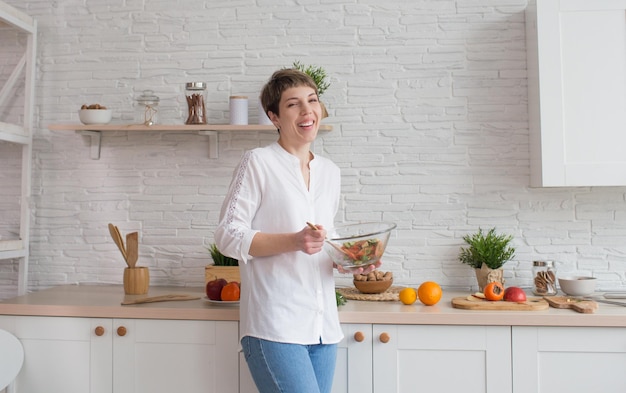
{"points": [[94, 131]]}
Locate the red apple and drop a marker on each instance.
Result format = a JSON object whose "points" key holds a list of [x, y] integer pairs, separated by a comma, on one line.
{"points": [[514, 294], [214, 288]]}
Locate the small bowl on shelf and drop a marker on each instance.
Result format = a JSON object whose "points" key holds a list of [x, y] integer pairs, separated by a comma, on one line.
{"points": [[95, 116], [577, 285], [373, 286], [358, 245]]}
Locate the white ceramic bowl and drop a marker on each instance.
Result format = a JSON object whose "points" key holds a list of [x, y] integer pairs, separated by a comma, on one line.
{"points": [[95, 116], [362, 244], [577, 285]]}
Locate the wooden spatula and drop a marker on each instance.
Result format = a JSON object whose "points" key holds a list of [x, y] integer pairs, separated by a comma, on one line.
{"points": [[162, 298], [117, 238], [132, 249]]}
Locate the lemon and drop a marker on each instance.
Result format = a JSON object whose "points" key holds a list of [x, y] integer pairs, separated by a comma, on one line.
{"points": [[429, 293], [408, 295]]}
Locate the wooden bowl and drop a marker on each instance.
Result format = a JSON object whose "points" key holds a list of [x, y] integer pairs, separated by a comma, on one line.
{"points": [[372, 286]]}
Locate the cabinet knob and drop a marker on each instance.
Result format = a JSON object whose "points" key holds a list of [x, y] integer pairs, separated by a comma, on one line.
{"points": [[384, 337], [121, 331], [359, 337], [99, 331]]}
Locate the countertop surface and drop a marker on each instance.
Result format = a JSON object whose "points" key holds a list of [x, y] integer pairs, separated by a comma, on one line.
{"points": [[104, 301]]}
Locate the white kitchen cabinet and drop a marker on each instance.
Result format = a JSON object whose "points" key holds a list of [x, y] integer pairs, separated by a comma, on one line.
{"points": [[415, 358], [470, 359], [576, 55], [80, 355], [569, 359], [16, 127]]}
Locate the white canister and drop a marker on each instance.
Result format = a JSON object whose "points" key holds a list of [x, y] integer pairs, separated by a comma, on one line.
{"points": [[238, 106], [263, 119]]}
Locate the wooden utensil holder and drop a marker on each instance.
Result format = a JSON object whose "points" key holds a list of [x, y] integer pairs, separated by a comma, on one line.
{"points": [[136, 280]]}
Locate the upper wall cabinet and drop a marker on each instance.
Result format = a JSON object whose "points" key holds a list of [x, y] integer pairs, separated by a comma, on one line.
{"points": [[577, 92]]}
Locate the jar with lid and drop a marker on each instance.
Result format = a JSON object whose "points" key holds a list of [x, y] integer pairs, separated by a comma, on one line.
{"points": [[195, 93], [146, 108], [238, 107], [544, 276]]}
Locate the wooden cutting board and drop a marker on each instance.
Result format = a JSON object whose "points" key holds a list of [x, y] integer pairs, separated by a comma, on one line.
{"points": [[474, 303], [579, 305]]}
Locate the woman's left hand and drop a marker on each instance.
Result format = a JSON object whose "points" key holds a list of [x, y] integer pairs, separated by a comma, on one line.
{"points": [[360, 270]]}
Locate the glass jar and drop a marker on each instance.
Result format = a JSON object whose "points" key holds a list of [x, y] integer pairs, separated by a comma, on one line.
{"points": [[544, 278], [146, 112], [195, 93]]}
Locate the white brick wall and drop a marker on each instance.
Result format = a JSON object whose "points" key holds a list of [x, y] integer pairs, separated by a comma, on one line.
{"points": [[428, 105]]}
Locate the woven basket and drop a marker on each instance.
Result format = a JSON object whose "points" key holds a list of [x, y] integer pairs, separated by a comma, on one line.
{"points": [[228, 273]]}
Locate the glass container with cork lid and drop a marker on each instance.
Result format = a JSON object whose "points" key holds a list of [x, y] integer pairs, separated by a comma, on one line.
{"points": [[195, 93], [544, 276], [146, 112]]}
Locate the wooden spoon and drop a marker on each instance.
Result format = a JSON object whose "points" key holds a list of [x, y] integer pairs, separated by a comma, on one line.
{"points": [[117, 238], [132, 248], [335, 246]]}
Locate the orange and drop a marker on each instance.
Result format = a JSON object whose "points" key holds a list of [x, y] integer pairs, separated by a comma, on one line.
{"points": [[408, 295], [230, 292], [429, 293]]}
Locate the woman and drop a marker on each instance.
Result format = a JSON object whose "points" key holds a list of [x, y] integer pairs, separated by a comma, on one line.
{"points": [[288, 313]]}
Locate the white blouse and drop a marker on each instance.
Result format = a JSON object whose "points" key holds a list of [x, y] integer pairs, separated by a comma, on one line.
{"points": [[288, 297]]}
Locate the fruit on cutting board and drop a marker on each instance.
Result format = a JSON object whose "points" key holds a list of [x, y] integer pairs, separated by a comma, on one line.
{"points": [[494, 291], [214, 288], [429, 293], [514, 294]]}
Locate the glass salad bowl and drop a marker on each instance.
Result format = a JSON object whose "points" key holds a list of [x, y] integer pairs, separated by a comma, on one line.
{"points": [[358, 245]]}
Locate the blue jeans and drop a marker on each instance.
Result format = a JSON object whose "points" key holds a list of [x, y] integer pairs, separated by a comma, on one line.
{"points": [[290, 368]]}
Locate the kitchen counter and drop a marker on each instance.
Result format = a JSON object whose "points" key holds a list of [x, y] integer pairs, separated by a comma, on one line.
{"points": [[104, 301]]}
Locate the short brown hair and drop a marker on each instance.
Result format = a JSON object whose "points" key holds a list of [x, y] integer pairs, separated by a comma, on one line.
{"points": [[280, 81]]}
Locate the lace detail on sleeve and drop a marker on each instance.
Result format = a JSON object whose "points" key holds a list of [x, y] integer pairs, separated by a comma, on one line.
{"points": [[232, 205]]}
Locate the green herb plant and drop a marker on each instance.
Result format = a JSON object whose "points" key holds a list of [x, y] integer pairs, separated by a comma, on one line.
{"points": [[318, 74], [220, 259], [341, 300], [490, 249]]}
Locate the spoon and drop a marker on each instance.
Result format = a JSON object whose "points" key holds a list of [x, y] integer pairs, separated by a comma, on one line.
{"points": [[336, 247], [117, 238]]}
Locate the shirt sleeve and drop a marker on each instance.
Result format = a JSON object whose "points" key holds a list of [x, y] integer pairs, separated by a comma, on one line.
{"points": [[234, 232]]}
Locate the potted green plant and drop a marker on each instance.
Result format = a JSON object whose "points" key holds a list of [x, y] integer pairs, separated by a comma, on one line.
{"points": [[487, 253], [319, 76], [222, 267]]}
